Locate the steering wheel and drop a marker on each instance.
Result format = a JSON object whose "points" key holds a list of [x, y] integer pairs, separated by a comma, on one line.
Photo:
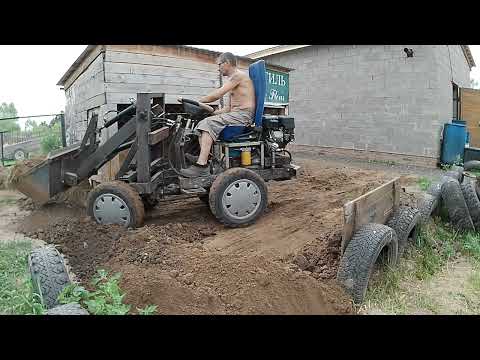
{"points": [[196, 103]]}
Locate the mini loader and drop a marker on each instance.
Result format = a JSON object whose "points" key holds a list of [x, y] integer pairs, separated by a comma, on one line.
{"points": [[242, 160]]}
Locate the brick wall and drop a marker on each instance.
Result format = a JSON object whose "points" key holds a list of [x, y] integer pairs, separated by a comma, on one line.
{"points": [[373, 98]]}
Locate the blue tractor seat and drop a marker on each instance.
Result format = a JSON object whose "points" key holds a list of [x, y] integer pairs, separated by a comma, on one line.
{"points": [[257, 72]]}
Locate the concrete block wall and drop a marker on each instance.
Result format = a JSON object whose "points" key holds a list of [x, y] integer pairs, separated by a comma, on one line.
{"points": [[372, 97]]}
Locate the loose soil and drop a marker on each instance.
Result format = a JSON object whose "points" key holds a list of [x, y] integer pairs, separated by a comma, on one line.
{"points": [[185, 262]]}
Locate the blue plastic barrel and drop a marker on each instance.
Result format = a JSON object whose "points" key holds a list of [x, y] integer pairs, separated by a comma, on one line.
{"points": [[453, 145]]}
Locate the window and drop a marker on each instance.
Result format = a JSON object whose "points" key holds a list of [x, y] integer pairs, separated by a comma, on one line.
{"points": [[456, 102]]}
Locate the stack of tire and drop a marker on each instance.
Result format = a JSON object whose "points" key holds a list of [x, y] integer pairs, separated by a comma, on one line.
{"points": [[458, 195], [49, 277], [373, 243]]}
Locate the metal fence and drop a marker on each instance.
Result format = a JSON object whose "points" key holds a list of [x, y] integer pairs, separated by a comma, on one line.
{"points": [[20, 144]]}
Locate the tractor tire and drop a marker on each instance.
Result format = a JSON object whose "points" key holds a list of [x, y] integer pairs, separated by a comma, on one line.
{"points": [[238, 197], [362, 252], [48, 273], [405, 222], [472, 165], [116, 202], [454, 201], [68, 309], [470, 195], [427, 205]]}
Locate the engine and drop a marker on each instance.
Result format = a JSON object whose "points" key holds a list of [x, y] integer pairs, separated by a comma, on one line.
{"points": [[278, 130]]}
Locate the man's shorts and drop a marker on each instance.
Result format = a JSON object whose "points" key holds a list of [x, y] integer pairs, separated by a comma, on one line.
{"points": [[215, 124]]}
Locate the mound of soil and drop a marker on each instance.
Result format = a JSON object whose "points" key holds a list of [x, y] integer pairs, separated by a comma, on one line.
{"points": [[185, 262]]}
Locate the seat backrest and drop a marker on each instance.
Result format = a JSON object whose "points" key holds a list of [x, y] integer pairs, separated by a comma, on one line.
{"points": [[257, 73]]}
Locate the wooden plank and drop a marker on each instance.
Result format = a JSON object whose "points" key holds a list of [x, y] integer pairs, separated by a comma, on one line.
{"points": [[98, 51], [376, 206], [124, 98], [96, 101], [146, 59], [154, 88], [160, 80], [470, 112], [158, 135], [126, 68]]}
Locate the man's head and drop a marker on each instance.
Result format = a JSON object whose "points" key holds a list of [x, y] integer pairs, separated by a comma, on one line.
{"points": [[227, 63]]}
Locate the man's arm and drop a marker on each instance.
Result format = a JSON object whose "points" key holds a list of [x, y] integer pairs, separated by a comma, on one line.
{"points": [[227, 108], [218, 93]]}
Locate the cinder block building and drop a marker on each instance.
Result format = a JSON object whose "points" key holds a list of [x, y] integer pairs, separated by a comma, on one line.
{"points": [[375, 100]]}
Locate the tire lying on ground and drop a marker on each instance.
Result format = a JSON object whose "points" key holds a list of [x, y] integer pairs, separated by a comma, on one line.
{"points": [[455, 174], [49, 274], [68, 309], [405, 221], [452, 197], [472, 164], [369, 243], [473, 203], [427, 204]]}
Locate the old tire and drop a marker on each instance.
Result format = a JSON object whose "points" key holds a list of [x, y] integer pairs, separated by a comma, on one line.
{"points": [[405, 222], [238, 197], [68, 309], [452, 197], [361, 254], [427, 205], [472, 165], [48, 273], [455, 174], [116, 202], [473, 203]]}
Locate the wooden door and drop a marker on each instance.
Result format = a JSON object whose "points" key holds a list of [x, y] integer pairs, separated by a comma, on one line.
{"points": [[470, 112]]}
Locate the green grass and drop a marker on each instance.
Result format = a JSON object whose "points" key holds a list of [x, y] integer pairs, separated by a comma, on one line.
{"points": [[16, 296], [7, 201], [8, 163], [424, 183], [436, 245]]}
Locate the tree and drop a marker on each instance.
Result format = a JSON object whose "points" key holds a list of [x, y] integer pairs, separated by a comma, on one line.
{"points": [[8, 111], [474, 84]]}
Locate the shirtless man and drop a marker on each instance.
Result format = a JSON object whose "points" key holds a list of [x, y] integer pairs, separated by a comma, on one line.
{"points": [[239, 111]]}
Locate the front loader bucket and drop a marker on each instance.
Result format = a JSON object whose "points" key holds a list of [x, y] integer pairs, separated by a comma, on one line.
{"points": [[42, 182]]}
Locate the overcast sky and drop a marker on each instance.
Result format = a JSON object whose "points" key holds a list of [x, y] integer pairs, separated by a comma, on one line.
{"points": [[29, 74]]}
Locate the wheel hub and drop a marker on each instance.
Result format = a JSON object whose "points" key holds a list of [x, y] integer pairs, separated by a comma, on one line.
{"points": [[111, 209], [19, 155], [241, 199]]}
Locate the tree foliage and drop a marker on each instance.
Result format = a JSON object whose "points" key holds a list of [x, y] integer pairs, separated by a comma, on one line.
{"points": [[8, 111]]}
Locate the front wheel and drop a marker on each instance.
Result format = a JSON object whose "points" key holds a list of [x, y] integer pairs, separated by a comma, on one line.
{"points": [[116, 203], [238, 197]]}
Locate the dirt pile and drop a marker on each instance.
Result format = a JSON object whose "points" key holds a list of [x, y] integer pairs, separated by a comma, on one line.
{"points": [[87, 245], [185, 262]]}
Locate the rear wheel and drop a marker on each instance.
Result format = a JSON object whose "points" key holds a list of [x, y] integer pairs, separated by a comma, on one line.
{"points": [[238, 197], [116, 203]]}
